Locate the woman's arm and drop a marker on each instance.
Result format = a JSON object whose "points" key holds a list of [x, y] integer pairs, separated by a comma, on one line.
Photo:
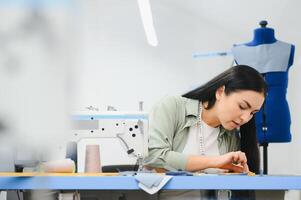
{"points": [[163, 124], [233, 161]]}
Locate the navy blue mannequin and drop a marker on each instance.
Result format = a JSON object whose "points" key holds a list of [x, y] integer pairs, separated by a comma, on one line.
{"points": [[266, 35], [273, 59], [275, 114], [263, 35]]}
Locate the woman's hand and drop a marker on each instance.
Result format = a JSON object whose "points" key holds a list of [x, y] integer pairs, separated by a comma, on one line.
{"points": [[234, 161]]}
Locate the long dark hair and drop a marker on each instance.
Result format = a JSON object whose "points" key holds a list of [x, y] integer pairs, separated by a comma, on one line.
{"points": [[240, 77]]}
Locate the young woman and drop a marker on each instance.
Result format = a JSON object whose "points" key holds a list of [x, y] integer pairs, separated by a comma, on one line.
{"points": [[210, 127]]}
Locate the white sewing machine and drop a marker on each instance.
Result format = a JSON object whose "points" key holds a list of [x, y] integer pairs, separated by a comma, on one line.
{"points": [[122, 136]]}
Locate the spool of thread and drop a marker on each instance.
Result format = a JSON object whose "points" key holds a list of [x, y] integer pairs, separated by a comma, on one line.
{"points": [[92, 161], [59, 166]]}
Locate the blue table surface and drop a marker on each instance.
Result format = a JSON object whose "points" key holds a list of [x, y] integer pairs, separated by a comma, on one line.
{"points": [[91, 182]]}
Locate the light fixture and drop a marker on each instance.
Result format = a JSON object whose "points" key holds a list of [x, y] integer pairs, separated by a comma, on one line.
{"points": [[147, 20]]}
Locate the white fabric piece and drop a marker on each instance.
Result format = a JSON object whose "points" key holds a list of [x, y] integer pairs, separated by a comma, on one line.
{"points": [[149, 179], [154, 189], [265, 57]]}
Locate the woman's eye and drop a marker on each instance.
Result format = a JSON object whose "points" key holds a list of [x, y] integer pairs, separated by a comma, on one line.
{"points": [[241, 107]]}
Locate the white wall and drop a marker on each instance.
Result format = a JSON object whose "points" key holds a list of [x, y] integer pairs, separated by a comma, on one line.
{"points": [[36, 53], [117, 67]]}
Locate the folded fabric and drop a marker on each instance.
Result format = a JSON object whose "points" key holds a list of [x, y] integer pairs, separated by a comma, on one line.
{"points": [[151, 182], [149, 179]]}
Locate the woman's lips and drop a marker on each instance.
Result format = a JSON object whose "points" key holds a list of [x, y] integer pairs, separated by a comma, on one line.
{"points": [[236, 124]]}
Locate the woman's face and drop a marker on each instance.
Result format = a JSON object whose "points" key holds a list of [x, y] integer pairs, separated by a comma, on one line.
{"points": [[237, 108]]}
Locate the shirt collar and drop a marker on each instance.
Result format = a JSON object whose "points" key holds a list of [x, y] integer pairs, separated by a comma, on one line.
{"points": [[192, 112], [192, 107]]}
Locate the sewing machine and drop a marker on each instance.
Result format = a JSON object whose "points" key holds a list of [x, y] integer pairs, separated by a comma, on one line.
{"points": [[122, 136]]}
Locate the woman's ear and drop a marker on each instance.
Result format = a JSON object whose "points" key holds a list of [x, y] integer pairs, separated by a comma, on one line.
{"points": [[219, 92]]}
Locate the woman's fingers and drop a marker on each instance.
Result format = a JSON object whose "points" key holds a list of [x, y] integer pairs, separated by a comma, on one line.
{"points": [[240, 162], [234, 161], [239, 157], [246, 167], [234, 168], [238, 168]]}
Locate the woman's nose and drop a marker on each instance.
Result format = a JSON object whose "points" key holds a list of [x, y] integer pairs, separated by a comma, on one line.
{"points": [[245, 117]]}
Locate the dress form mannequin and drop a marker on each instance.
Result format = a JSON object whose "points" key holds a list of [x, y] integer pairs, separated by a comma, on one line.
{"points": [[273, 59], [263, 35]]}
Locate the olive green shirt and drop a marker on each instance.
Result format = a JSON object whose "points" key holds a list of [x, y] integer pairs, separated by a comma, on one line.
{"points": [[169, 123]]}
